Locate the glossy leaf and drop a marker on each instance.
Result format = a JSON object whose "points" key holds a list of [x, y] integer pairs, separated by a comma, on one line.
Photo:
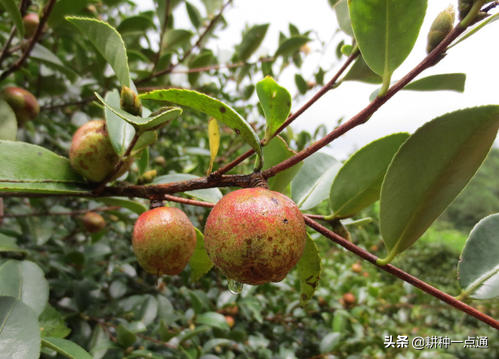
{"points": [[478, 268], [8, 244], [66, 348], [213, 319], [194, 14], [143, 123], [361, 72], [8, 122], [63, 8], [451, 82], [330, 342], [133, 206], [209, 194], [358, 182], [176, 38], [251, 41], [120, 132], [309, 270], [19, 332], [313, 182], [429, 171], [47, 57], [25, 281], [343, 17], [276, 104], [137, 24], [210, 106], [291, 45], [30, 168], [200, 262], [52, 323], [14, 14], [108, 43], [386, 30], [214, 141], [275, 152]]}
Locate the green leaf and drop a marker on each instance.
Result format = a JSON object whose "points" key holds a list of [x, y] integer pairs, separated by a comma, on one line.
{"points": [[276, 104], [205, 58], [133, 206], [358, 182], [330, 342], [63, 8], [386, 30], [108, 43], [451, 82], [176, 38], [429, 171], [213, 319], [474, 30], [19, 332], [25, 281], [125, 338], [251, 41], [52, 323], [200, 262], [478, 268], [8, 122], [210, 106], [212, 195], [47, 57], [135, 25], [143, 123], [309, 270], [313, 182], [194, 14], [275, 152], [291, 45], [120, 132], [8, 244], [301, 84], [361, 72], [343, 17], [30, 168], [66, 348], [13, 10]]}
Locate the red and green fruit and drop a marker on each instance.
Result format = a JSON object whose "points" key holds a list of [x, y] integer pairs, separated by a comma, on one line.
{"points": [[31, 22], [22, 102], [163, 240], [255, 235], [93, 222]]}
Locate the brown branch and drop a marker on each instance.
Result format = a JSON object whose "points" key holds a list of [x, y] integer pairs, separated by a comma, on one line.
{"points": [[5, 49], [67, 213], [32, 42], [403, 275], [188, 201], [161, 36], [187, 53], [364, 115], [294, 115]]}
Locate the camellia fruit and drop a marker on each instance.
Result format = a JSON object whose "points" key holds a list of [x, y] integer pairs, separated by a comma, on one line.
{"points": [[31, 22], [93, 222], [22, 102], [91, 153], [163, 240], [255, 235]]}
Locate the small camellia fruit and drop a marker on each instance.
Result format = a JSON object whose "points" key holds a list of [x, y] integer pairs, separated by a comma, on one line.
{"points": [[163, 240], [91, 153], [31, 22], [22, 102], [356, 267], [349, 299], [255, 235], [230, 321], [93, 222]]}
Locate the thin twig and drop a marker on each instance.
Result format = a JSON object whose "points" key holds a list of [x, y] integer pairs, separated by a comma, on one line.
{"points": [[294, 115], [32, 42], [67, 213], [188, 201], [162, 34], [5, 49], [402, 275]]}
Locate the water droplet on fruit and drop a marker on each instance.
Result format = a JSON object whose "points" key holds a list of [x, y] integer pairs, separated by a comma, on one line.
{"points": [[235, 287]]}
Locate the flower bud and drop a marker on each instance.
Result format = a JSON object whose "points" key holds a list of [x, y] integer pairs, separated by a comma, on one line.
{"points": [[440, 27], [31, 22], [130, 102]]}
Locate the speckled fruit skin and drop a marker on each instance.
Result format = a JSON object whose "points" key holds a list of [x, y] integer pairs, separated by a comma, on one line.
{"points": [[31, 22], [23, 103], [93, 222], [91, 153], [255, 235], [163, 240]]}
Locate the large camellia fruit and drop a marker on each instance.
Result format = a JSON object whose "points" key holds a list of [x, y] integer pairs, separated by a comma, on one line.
{"points": [[22, 102], [163, 240], [91, 153], [255, 235]]}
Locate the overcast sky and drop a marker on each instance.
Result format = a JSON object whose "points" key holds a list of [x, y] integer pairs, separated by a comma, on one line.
{"points": [[477, 57]]}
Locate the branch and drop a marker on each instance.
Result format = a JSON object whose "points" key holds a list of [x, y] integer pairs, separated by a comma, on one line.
{"points": [[161, 36], [294, 115], [31, 44], [364, 115], [403, 275], [5, 49], [191, 202], [186, 54]]}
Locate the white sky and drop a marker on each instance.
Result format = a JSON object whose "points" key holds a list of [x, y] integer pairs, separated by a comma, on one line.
{"points": [[406, 111]]}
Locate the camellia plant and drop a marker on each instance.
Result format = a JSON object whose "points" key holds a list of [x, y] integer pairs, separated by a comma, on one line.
{"points": [[113, 131]]}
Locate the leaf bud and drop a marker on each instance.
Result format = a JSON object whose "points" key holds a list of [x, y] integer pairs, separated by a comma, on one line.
{"points": [[440, 27], [130, 102]]}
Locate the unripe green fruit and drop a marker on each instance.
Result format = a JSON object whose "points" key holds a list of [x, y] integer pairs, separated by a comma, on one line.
{"points": [[441, 26], [163, 240], [23, 103], [91, 153], [93, 222], [31, 22], [255, 235]]}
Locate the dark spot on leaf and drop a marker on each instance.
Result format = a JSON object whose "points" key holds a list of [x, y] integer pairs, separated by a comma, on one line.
{"points": [[222, 109], [39, 153], [285, 221]]}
